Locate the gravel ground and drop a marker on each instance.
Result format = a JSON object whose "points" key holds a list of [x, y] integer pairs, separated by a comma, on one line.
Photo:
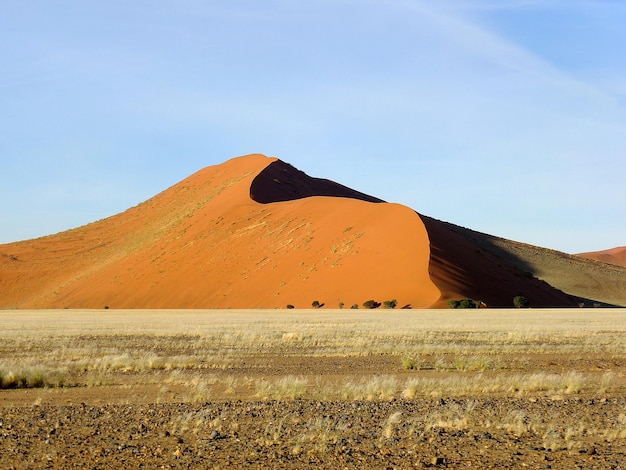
{"points": [[492, 432]]}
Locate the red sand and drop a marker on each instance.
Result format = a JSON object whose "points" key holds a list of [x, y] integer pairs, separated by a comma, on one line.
{"points": [[254, 232], [204, 243], [614, 255]]}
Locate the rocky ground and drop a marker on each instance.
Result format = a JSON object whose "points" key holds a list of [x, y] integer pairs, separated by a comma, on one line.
{"points": [[495, 432]]}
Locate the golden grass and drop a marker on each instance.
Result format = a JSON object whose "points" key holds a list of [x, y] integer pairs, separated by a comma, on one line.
{"points": [[452, 358], [449, 352]]}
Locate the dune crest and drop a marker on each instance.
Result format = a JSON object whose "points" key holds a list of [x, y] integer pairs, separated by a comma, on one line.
{"points": [[255, 232], [206, 243], [280, 181]]}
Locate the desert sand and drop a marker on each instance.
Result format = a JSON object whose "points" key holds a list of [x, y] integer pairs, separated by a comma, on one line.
{"points": [[254, 232], [206, 243], [615, 255]]}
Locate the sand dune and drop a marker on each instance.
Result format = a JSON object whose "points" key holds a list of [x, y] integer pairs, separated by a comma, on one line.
{"points": [[254, 232], [540, 270], [614, 255], [205, 243], [464, 266]]}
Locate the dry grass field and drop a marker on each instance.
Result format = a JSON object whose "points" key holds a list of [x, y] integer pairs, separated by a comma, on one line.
{"points": [[309, 388]]}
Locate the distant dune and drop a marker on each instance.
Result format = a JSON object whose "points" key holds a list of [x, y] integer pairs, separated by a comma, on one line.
{"points": [[614, 255], [254, 232]]}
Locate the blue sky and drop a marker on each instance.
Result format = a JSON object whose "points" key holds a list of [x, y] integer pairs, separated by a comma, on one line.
{"points": [[505, 116]]}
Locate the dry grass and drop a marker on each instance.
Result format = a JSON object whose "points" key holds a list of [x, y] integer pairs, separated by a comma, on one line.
{"points": [[419, 374], [448, 352]]}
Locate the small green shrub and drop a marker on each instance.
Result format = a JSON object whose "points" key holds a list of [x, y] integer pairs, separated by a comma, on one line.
{"points": [[316, 304], [463, 303], [468, 303], [354, 306], [290, 306], [519, 301], [371, 304], [390, 303]]}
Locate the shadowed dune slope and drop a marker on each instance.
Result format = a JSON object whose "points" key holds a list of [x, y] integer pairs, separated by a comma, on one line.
{"points": [[462, 266], [613, 256], [205, 243], [528, 269], [280, 181]]}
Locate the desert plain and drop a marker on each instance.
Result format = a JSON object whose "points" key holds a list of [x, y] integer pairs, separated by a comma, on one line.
{"points": [[493, 388]]}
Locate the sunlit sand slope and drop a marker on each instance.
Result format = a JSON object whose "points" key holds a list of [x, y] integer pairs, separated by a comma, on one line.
{"points": [[206, 243], [614, 255], [255, 232]]}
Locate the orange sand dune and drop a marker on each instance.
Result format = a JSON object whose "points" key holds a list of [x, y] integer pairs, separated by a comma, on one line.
{"points": [[205, 243], [614, 255], [254, 232]]}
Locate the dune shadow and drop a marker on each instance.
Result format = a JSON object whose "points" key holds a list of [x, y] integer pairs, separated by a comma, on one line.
{"points": [[280, 182], [502, 268], [493, 268]]}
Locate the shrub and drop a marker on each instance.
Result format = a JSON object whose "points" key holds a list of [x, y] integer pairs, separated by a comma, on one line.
{"points": [[36, 380], [355, 306], [468, 303], [31, 378], [463, 303], [519, 301], [290, 306], [341, 304], [316, 304], [390, 303], [371, 304]]}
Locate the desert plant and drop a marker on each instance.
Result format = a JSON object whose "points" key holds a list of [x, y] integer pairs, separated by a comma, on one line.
{"points": [[290, 306], [519, 301], [390, 303], [371, 304], [468, 303], [28, 378], [410, 363], [355, 306], [463, 303], [316, 304], [288, 387], [341, 304]]}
